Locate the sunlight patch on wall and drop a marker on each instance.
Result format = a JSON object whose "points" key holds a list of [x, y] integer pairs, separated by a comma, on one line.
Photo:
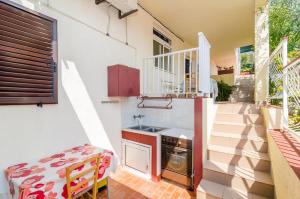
{"points": [[83, 106], [27, 4]]}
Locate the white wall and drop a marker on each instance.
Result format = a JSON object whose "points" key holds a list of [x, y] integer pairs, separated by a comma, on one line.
{"points": [[180, 116], [84, 52], [213, 68], [209, 110]]}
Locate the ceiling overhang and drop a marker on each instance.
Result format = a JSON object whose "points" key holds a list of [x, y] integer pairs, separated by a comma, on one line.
{"points": [[228, 24]]}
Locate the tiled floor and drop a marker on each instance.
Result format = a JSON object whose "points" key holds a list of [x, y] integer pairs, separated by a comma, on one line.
{"points": [[124, 185]]}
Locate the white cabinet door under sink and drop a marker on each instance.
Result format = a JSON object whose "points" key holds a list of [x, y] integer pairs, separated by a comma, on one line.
{"points": [[137, 156]]}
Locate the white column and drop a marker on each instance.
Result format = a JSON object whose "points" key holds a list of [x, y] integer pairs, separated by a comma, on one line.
{"points": [[261, 49], [237, 70], [204, 64]]}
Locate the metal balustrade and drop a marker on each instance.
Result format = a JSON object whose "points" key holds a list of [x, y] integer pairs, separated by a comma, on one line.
{"points": [[291, 101], [284, 85], [275, 64]]}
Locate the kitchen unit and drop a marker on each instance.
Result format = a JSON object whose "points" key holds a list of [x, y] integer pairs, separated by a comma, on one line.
{"points": [[141, 148], [159, 152], [137, 156]]}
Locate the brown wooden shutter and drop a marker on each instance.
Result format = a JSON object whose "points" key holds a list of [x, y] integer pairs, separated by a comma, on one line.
{"points": [[28, 56]]}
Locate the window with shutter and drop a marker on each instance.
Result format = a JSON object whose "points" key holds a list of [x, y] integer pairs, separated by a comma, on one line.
{"points": [[28, 56]]}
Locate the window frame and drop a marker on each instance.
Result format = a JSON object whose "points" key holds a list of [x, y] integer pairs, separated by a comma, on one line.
{"points": [[54, 64], [163, 44]]}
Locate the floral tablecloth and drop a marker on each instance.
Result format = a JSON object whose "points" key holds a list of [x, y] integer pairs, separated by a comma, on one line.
{"points": [[46, 178]]}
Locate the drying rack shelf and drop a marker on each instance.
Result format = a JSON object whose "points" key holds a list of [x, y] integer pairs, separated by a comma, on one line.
{"points": [[141, 104]]}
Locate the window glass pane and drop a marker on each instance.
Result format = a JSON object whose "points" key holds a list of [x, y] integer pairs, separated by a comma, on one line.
{"points": [[156, 48], [167, 65], [162, 62], [157, 51]]}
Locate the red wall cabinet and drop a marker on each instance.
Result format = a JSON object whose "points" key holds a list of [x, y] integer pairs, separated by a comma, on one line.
{"points": [[123, 81]]}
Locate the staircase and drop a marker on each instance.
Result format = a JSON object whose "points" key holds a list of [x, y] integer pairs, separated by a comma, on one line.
{"points": [[244, 89], [238, 164]]}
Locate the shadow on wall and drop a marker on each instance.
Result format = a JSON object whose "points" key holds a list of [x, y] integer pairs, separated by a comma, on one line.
{"points": [[83, 106]]}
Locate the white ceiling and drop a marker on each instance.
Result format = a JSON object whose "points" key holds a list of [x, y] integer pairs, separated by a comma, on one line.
{"points": [[228, 24]]}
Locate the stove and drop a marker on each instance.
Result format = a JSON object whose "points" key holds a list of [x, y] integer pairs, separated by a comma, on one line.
{"points": [[177, 160]]}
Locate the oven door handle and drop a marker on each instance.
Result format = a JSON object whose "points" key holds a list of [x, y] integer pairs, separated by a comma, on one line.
{"points": [[176, 149]]}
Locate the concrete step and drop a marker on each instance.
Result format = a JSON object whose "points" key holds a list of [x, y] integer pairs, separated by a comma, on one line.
{"points": [[245, 82], [239, 178], [239, 95], [239, 118], [239, 128], [254, 143], [237, 100], [241, 108], [211, 190], [239, 157], [244, 89]]}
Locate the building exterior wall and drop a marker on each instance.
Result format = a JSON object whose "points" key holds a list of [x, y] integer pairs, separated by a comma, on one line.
{"points": [[273, 117], [180, 116], [84, 52]]}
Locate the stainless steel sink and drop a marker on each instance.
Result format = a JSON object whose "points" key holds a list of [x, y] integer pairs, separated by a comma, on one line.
{"points": [[142, 127], [154, 129], [147, 128]]}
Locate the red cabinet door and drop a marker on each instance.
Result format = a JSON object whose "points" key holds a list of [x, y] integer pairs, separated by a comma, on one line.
{"points": [[123, 81], [134, 82]]}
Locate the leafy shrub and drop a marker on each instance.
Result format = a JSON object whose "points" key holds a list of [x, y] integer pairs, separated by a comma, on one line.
{"points": [[225, 91]]}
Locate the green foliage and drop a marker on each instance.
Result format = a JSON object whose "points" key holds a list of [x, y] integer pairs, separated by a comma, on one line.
{"points": [[247, 62], [284, 19], [225, 91]]}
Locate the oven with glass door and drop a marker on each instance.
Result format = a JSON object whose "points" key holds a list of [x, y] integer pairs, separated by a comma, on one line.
{"points": [[177, 160]]}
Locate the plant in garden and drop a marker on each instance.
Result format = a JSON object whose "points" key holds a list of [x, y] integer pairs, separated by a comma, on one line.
{"points": [[284, 18], [225, 91]]}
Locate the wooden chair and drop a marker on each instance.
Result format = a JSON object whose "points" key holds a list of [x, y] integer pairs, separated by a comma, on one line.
{"points": [[80, 189]]}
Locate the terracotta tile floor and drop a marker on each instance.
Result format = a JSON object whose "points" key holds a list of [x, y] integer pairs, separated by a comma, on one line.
{"points": [[124, 185]]}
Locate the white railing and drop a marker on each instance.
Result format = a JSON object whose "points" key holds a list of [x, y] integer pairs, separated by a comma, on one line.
{"points": [[275, 64], [170, 73], [284, 85], [177, 73]]}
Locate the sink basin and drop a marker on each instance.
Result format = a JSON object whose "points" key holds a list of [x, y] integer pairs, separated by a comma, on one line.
{"points": [[142, 127], [154, 129], [147, 128]]}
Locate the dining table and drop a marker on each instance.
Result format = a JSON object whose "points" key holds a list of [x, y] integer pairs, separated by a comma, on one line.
{"points": [[45, 178]]}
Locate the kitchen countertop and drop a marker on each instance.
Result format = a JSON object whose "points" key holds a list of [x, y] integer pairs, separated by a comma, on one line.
{"points": [[179, 133], [173, 132]]}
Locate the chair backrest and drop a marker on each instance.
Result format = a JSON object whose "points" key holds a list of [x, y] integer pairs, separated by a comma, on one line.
{"points": [[85, 177]]}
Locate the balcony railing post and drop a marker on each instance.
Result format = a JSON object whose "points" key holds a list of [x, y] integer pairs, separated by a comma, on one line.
{"points": [[204, 64], [285, 82]]}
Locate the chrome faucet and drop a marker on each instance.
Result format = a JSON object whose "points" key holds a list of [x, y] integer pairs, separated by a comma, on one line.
{"points": [[139, 117]]}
